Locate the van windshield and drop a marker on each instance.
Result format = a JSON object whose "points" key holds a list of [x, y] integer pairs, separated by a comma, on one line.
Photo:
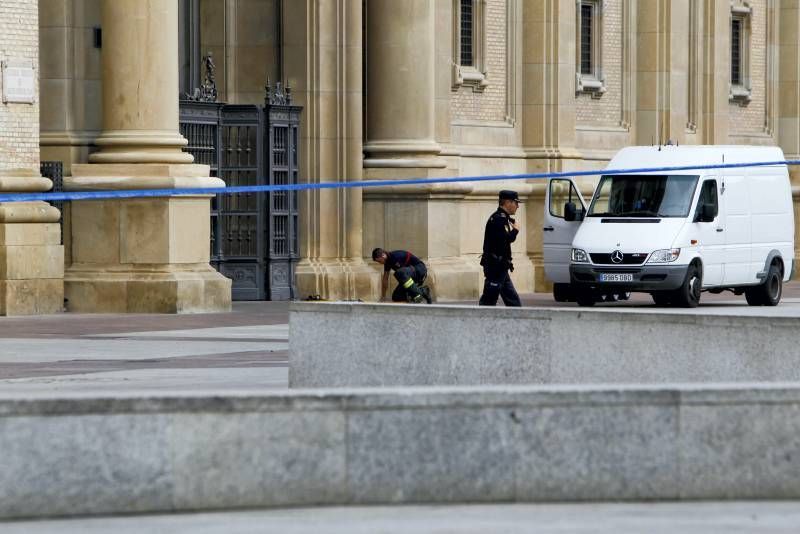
{"points": [[643, 196]]}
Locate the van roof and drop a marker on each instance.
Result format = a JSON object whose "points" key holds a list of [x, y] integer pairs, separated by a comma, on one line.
{"points": [[675, 156]]}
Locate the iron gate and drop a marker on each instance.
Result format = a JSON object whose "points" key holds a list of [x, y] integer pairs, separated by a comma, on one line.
{"points": [[253, 235]]}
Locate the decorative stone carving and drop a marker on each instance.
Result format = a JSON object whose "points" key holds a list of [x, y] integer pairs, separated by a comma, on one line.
{"points": [[207, 92], [279, 96]]}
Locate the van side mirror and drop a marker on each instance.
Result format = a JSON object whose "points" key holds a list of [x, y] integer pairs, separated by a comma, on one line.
{"points": [[708, 212], [570, 212]]}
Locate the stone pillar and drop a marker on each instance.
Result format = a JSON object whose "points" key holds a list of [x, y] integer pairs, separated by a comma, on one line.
{"points": [[716, 71], [322, 58], [662, 74], [400, 82], [406, 90], [150, 254], [789, 99], [548, 104], [31, 255]]}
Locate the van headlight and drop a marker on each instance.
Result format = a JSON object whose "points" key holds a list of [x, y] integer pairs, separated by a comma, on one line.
{"points": [[666, 255], [579, 256]]}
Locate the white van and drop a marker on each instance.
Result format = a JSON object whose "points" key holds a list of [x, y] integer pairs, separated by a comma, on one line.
{"points": [[673, 234]]}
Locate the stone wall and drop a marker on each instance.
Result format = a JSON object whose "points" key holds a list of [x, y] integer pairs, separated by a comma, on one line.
{"points": [[19, 123], [394, 446], [331, 345], [750, 118], [71, 88], [606, 110], [489, 105], [243, 37]]}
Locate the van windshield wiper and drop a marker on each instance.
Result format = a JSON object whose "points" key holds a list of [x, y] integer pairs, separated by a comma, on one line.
{"points": [[644, 213]]}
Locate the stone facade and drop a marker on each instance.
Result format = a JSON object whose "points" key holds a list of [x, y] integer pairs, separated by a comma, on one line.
{"points": [[376, 80], [490, 104], [19, 122], [31, 255]]}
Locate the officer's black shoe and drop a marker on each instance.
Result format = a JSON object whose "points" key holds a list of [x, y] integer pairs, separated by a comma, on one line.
{"points": [[417, 299], [426, 294]]}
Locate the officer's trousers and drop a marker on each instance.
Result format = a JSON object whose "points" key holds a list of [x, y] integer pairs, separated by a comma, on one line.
{"points": [[409, 279], [498, 284]]}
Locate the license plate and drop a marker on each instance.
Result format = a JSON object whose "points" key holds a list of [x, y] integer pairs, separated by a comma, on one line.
{"points": [[616, 277]]}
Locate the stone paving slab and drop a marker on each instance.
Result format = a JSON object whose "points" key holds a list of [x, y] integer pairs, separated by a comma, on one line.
{"points": [[99, 353], [55, 350], [256, 332], [221, 380]]}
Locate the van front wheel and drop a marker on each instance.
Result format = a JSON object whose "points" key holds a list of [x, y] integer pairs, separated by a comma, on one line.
{"points": [[688, 295], [585, 297], [769, 293]]}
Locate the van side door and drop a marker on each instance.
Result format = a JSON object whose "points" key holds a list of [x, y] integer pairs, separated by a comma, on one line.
{"points": [[558, 231], [738, 230], [710, 235]]}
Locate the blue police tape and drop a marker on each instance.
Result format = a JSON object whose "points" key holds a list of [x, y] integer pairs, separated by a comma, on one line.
{"points": [[144, 193]]}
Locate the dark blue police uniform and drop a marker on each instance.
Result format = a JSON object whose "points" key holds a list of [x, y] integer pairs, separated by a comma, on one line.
{"points": [[496, 259]]}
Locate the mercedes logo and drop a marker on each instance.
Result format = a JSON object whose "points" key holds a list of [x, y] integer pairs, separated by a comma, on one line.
{"points": [[617, 256]]}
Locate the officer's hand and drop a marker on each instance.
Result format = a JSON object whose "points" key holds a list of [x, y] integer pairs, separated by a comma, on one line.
{"points": [[515, 226]]}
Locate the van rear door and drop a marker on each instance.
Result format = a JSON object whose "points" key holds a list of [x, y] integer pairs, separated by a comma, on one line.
{"points": [[558, 232]]}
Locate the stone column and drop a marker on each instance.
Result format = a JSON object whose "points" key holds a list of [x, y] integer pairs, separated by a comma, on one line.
{"points": [[662, 74], [149, 254], [716, 71], [404, 82], [548, 104], [323, 61], [789, 99], [31, 255], [401, 85]]}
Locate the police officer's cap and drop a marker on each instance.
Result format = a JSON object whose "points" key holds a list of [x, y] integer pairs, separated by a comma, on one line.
{"points": [[505, 194]]}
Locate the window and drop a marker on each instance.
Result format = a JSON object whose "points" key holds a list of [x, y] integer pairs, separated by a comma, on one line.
{"points": [[588, 70], [469, 66], [586, 39], [466, 33], [740, 87], [628, 195], [189, 45], [708, 196], [561, 192], [736, 51]]}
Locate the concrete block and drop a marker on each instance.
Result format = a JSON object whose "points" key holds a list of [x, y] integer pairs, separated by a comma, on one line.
{"points": [[740, 451], [84, 464], [79, 455], [238, 460], [433, 455], [598, 452], [347, 344]]}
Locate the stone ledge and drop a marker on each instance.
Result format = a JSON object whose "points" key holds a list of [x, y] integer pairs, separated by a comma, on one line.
{"points": [[77, 454], [333, 345]]}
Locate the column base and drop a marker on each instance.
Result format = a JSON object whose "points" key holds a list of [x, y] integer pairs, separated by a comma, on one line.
{"points": [[455, 279], [31, 259], [31, 269], [154, 289], [142, 255], [337, 279]]}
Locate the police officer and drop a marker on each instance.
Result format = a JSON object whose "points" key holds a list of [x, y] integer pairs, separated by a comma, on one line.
{"points": [[410, 273], [501, 231]]}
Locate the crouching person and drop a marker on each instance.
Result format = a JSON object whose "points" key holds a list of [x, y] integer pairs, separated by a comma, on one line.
{"points": [[410, 273]]}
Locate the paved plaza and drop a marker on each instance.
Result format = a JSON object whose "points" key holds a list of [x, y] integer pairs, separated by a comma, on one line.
{"points": [[245, 349]]}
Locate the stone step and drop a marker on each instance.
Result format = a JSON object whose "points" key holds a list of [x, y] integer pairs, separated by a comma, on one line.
{"points": [[83, 454]]}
